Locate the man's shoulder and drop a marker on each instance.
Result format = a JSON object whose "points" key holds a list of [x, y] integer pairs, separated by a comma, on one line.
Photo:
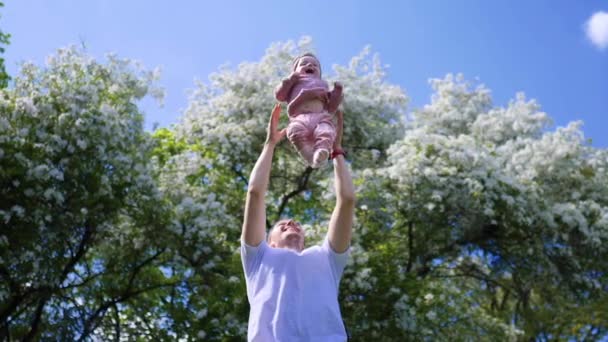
{"points": [[317, 248], [249, 251]]}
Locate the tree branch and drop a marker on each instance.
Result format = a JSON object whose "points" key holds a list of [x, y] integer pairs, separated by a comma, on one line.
{"points": [[127, 293], [410, 241], [117, 322], [240, 175], [92, 322], [35, 324], [302, 185]]}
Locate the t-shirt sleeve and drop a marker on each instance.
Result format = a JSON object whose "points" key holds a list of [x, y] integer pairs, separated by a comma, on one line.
{"points": [[336, 260], [252, 257]]}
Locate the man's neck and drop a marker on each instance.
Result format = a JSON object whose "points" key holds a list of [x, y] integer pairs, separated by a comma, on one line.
{"points": [[294, 246]]}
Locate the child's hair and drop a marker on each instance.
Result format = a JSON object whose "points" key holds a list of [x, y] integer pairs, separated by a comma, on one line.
{"points": [[307, 54]]}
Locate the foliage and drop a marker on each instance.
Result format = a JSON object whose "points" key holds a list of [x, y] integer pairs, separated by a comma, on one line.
{"points": [[474, 222], [4, 40], [78, 203]]}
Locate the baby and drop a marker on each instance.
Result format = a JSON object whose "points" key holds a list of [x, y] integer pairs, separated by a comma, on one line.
{"points": [[310, 105]]}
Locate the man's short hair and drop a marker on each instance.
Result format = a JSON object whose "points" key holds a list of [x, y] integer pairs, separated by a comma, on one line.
{"points": [[273, 227], [278, 223]]}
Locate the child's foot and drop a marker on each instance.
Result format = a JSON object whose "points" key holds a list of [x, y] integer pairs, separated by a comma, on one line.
{"points": [[319, 158]]}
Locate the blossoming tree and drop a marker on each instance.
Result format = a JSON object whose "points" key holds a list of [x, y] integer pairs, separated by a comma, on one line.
{"points": [[473, 221]]}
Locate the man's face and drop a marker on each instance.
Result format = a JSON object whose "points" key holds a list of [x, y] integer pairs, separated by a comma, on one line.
{"points": [[309, 65], [287, 234]]}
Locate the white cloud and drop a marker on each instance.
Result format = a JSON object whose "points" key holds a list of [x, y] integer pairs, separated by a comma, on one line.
{"points": [[597, 29]]}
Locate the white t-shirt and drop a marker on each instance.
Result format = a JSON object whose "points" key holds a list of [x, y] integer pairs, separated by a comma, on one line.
{"points": [[293, 296]]}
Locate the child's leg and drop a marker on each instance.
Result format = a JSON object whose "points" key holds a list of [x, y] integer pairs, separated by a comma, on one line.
{"points": [[324, 136], [301, 136]]}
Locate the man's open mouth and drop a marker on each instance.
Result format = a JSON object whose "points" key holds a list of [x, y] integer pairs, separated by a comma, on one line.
{"points": [[309, 71]]}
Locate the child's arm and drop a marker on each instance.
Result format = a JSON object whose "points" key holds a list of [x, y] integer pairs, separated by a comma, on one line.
{"points": [[281, 93], [335, 97]]}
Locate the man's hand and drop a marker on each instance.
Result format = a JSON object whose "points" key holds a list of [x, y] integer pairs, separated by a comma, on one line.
{"points": [[254, 220], [335, 97], [273, 135], [339, 130], [341, 222]]}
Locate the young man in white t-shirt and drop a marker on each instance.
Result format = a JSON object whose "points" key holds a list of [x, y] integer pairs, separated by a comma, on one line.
{"points": [[292, 291]]}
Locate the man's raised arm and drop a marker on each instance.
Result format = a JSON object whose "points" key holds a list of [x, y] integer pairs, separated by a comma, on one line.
{"points": [[254, 222], [341, 223]]}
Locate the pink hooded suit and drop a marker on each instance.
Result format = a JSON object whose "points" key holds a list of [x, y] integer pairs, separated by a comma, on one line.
{"points": [[309, 132]]}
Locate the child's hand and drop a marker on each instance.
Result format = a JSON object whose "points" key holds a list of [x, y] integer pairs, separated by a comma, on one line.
{"points": [[294, 76]]}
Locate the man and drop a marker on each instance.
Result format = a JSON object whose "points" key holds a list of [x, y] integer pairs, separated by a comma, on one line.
{"points": [[292, 291]]}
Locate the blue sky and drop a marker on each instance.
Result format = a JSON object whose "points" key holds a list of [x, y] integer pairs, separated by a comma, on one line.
{"points": [[538, 47]]}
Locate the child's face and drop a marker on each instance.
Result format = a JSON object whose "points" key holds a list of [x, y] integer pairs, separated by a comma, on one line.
{"points": [[309, 65]]}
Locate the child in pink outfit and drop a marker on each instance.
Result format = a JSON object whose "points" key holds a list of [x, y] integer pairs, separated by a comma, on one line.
{"points": [[310, 105]]}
